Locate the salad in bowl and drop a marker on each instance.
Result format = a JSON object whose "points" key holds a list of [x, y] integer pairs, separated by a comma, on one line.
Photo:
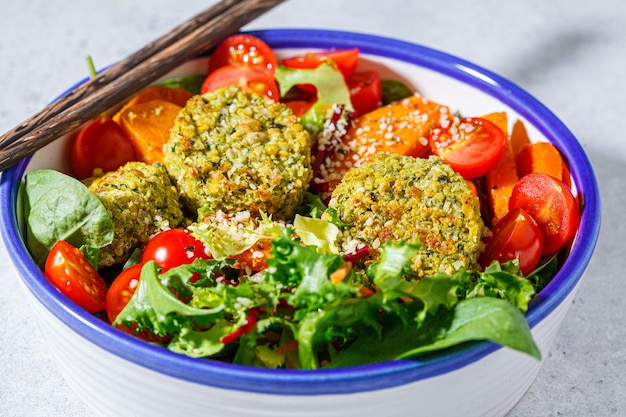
{"points": [[300, 215]]}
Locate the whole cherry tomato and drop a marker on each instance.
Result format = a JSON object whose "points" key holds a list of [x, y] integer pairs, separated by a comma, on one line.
{"points": [[69, 271], [552, 205], [172, 248]]}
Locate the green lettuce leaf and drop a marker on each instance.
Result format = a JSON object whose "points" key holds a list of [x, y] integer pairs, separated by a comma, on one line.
{"points": [[331, 90]]}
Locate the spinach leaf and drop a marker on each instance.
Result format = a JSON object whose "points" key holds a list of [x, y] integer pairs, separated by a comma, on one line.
{"points": [[394, 90], [59, 207], [472, 319], [191, 83]]}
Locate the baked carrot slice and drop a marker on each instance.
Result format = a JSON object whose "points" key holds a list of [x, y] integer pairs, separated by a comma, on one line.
{"points": [[519, 136], [502, 178], [500, 119], [539, 157], [178, 96], [148, 126]]}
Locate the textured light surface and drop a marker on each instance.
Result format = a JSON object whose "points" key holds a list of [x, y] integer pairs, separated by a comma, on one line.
{"points": [[571, 58]]}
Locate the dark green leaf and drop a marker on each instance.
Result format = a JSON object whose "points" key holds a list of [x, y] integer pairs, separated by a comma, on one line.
{"points": [[394, 90], [59, 207]]}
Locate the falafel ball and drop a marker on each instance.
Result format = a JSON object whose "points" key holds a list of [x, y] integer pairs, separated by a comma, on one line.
{"points": [[141, 200], [412, 200], [234, 151]]}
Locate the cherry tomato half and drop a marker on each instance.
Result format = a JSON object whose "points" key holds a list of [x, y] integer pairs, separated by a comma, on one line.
{"points": [[345, 60], [68, 270], [248, 78], [172, 248], [516, 235], [366, 91], [122, 290], [120, 293], [255, 257], [471, 147], [552, 205], [243, 49], [103, 144]]}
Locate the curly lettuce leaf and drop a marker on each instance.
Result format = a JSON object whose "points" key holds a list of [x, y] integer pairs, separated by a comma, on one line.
{"points": [[317, 232], [235, 238]]}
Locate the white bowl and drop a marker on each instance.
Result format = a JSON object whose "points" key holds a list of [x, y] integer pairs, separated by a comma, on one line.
{"points": [[119, 375]]}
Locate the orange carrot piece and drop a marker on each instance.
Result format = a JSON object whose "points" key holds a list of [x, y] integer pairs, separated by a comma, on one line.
{"points": [[539, 157], [178, 96], [472, 187], [500, 119], [519, 136], [148, 126], [502, 178], [288, 346], [338, 275]]}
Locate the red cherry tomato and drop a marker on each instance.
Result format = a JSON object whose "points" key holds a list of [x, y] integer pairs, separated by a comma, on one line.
{"points": [[172, 248], [248, 325], [471, 147], [516, 235], [366, 91], [68, 270], [299, 107], [248, 78], [103, 144], [120, 293], [255, 257], [122, 290], [243, 49], [345, 60], [552, 205]]}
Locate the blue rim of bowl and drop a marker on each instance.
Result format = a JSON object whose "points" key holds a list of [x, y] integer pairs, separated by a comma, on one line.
{"points": [[343, 380]]}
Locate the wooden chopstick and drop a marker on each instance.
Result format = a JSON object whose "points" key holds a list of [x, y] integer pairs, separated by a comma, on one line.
{"points": [[119, 82]]}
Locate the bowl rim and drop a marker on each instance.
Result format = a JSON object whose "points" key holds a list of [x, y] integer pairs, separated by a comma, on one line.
{"points": [[351, 379]]}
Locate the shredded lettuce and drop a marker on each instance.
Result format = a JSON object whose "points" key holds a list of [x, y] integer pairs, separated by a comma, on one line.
{"points": [[331, 322]]}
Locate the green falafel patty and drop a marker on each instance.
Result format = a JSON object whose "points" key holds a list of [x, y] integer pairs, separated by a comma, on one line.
{"points": [[236, 151], [141, 201], [412, 200]]}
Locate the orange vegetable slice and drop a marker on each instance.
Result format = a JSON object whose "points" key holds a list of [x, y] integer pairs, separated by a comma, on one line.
{"points": [[501, 179], [148, 126], [540, 157], [178, 96]]}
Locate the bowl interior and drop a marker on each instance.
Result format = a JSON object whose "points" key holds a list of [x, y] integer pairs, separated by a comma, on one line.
{"points": [[438, 76]]}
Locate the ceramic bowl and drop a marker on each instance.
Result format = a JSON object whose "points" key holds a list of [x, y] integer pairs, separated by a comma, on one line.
{"points": [[119, 375]]}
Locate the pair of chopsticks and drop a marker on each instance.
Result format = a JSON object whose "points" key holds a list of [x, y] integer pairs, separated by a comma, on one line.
{"points": [[119, 82]]}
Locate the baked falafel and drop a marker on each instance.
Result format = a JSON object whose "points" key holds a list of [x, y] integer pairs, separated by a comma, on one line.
{"points": [[233, 151], [408, 199]]}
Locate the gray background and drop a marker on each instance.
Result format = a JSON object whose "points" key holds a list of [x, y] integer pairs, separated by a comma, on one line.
{"points": [[571, 55]]}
